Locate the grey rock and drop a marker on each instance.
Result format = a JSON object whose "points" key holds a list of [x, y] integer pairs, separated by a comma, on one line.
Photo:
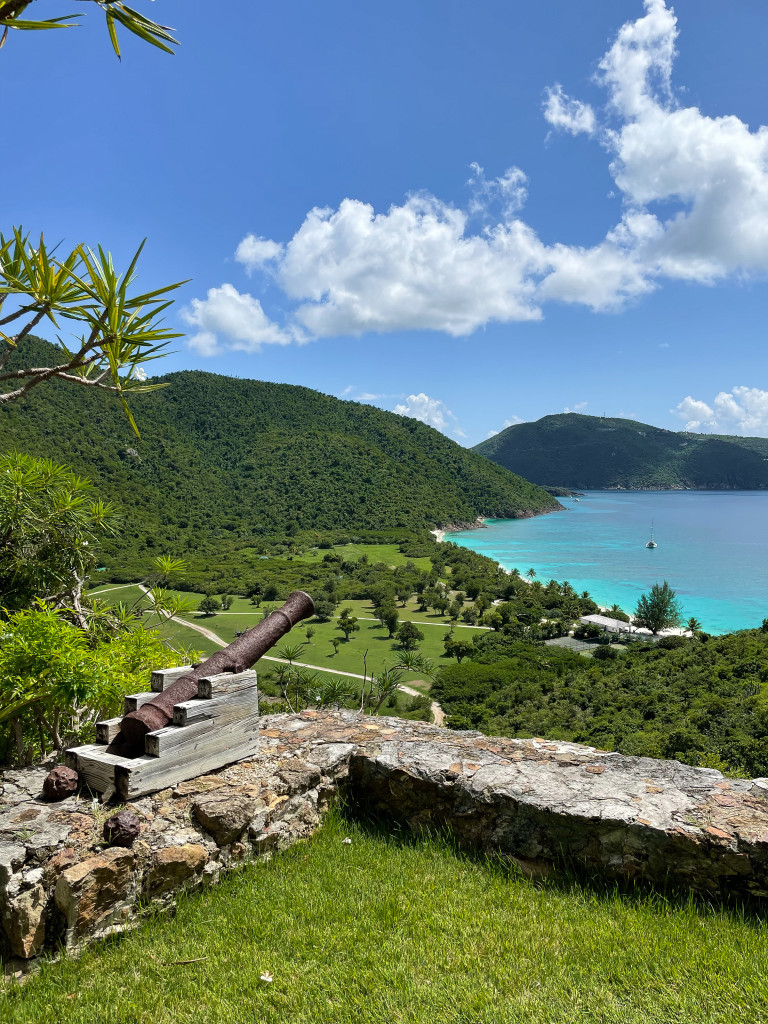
{"points": [[225, 814], [24, 922], [11, 858]]}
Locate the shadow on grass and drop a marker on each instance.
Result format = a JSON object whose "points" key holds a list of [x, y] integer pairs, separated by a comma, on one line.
{"points": [[563, 879]]}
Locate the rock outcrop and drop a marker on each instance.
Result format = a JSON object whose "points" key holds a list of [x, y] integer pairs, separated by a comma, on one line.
{"points": [[540, 803]]}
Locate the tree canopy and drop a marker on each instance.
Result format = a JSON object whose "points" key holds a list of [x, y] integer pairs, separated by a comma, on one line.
{"points": [[49, 521], [659, 609]]}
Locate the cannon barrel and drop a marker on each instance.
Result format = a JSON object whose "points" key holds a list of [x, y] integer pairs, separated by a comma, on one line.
{"points": [[240, 655]]}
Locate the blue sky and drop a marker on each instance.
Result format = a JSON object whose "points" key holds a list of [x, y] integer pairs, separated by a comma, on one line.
{"points": [[610, 256]]}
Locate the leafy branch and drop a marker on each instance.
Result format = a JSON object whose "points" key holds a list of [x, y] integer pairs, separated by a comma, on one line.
{"points": [[122, 330], [12, 17]]}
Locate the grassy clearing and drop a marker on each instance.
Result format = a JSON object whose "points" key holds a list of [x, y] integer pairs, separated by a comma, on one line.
{"points": [[115, 593], [319, 652], [388, 929], [389, 554]]}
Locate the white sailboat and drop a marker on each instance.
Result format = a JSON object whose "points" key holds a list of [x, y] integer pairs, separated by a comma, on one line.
{"points": [[651, 543]]}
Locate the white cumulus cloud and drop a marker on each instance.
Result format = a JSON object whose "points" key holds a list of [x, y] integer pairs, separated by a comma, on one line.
{"points": [[254, 252], [431, 411], [567, 114], [694, 190], [238, 317], [509, 190], [741, 410]]}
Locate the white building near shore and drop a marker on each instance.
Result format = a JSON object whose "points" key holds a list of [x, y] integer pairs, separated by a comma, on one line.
{"points": [[609, 625]]}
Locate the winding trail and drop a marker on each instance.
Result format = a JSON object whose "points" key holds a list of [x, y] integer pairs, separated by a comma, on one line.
{"points": [[437, 712]]}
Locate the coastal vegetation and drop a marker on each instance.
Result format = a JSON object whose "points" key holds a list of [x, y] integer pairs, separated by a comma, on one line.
{"points": [[659, 609], [571, 450], [444, 937]]}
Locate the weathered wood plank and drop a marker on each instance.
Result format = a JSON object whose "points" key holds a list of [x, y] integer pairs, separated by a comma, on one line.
{"points": [[162, 741], [107, 730], [226, 682], [229, 707], [163, 677], [211, 750], [134, 701], [95, 767]]}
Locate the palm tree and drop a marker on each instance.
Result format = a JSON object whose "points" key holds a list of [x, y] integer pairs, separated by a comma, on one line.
{"points": [[408, 661], [383, 685], [531, 574], [335, 693], [290, 652], [693, 625]]}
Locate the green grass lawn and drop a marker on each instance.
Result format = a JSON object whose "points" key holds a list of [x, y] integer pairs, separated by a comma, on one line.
{"points": [[389, 554], [115, 593], [319, 652], [371, 637], [390, 929]]}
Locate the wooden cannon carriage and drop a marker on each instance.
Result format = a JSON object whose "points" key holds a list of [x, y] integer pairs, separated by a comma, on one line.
{"points": [[217, 727]]}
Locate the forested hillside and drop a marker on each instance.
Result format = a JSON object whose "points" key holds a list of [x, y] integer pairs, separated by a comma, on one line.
{"points": [[223, 463], [572, 450]]}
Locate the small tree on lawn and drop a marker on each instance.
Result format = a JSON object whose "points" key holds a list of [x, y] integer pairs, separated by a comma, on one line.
{"points": [[335, 644], [408, 636], [347, 622], [390, 621], [209, 605], [458, 649], [226, 601], [659, 609], [324, 608], [493, 619]]}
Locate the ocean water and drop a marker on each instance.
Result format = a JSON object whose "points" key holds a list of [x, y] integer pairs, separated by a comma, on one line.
{"points": [[712, 549]]}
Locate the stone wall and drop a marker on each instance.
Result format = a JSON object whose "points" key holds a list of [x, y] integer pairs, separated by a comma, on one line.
{"points": [[541, 803]]}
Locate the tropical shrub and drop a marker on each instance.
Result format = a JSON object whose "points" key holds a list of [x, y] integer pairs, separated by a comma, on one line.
{"points": [[56, 683]]}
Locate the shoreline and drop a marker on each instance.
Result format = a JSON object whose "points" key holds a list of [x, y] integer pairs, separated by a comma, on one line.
{"points": [[439, 532], [720, 615], [481, 523]]}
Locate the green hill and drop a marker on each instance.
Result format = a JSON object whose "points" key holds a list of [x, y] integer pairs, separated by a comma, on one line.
{"points": [[223, 462], [594, 452]]}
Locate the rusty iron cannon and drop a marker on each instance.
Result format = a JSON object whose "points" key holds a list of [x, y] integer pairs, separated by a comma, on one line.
{"points": [[193, 720]]}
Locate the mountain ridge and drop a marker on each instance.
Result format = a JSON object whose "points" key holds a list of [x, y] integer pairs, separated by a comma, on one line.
{"points": [[603, 453]]}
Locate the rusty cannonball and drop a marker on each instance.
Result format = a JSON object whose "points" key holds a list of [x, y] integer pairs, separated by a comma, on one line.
{"points": [[122, 828], [60, 783]]}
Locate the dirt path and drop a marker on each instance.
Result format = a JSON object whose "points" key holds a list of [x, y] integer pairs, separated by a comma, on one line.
{"points": [[437, 712]]}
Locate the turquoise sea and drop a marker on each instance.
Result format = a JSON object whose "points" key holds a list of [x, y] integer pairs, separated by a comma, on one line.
{"points": [[712, 549]]}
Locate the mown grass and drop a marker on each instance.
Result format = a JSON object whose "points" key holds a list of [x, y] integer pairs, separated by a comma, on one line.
{"points": [[319, 653], [394, 929], [389, 554]]}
